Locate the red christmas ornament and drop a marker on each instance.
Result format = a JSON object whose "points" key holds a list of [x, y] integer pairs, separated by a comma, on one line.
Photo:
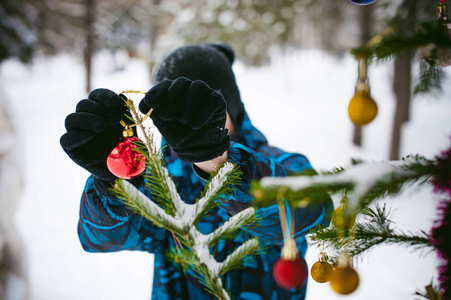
{"points": [[290, 274], [125, 161], [290, 271]]}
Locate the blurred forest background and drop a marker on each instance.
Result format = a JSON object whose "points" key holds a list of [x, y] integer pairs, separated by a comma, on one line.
{"points": [[254, 28], [148, 29]]}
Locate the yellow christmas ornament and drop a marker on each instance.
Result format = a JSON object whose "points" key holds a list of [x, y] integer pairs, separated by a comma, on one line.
{"points": [[344, 279], [362, 108], [321, 270], [340, 220]]}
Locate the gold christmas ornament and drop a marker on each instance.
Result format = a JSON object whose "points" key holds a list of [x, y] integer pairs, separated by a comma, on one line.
{"points": [[431, 53], [344, 279], [321, 270], [362, 108], [340, 220]]}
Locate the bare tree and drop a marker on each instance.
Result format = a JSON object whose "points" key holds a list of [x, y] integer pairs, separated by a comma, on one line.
{"points": [[402, 81]]}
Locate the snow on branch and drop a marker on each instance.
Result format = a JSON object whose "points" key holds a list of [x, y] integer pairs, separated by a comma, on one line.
{"points": [[232, 225], [144, 206], [362, 180]]}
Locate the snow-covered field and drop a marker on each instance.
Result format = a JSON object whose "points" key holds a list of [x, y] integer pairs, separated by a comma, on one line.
{"points": [[299, 102]]}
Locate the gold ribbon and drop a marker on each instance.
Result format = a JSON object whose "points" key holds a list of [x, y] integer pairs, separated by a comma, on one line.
{"points": [[141, 120]]}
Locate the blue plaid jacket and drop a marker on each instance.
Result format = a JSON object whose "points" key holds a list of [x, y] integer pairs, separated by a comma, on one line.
{"points": [[106, 225]]}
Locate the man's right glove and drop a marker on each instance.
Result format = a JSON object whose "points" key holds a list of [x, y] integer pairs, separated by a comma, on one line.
{"points": [[190, 116], [92, 133]]}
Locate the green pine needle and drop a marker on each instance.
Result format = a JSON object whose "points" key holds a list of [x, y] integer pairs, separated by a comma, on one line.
{"points": [[431, 79], [225, 190], [239, 255], [397, 43], [377, 229]]}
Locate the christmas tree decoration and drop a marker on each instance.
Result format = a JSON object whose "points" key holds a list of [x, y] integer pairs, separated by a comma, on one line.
{"points": [[344, 279], [440, 233], [125, 161], [321, 269], [290, 271], [362, 109], [341, 220], [380, 180], [436, 55]]}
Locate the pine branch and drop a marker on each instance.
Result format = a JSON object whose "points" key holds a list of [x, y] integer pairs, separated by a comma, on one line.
{"points": [[399, 42], [160, 183], [431, 292], [179, 217], [409, 170], [364, 236], [169, 211], [366, 182], [209, 268], [156, 177], [219, 186], [183, 257], [234, 260], [231, 227], [431, 79], [142, 205], [313, 190], [433, 34]]}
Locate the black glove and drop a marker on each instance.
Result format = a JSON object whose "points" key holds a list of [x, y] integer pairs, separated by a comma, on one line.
{"points": [[190, 116], [92, 133]]}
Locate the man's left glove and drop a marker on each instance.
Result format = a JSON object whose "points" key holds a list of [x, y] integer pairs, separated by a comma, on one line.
{"points": [[190, 116]]}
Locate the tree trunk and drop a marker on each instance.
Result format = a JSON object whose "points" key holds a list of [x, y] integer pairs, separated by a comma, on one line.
{"points": [[402, 85], [402, 90], [89, 48], [365, 21]]}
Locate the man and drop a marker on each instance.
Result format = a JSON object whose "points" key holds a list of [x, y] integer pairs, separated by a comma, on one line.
{"points": [[199, 113]]}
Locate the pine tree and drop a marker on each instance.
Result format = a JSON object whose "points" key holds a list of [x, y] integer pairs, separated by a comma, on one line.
{"points": [[17, 38]]}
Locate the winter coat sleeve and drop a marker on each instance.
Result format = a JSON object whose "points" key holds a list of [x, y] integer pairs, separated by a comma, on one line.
{"points": [[268, 161], [105, 225]]}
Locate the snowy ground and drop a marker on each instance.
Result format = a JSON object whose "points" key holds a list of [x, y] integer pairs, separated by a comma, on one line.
{"points": [[299, 102]]}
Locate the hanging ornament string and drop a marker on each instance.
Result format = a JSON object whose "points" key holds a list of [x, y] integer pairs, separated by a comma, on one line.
{"points": [[129, 103], [362, 109], [290, 270], [282, 213], [287, 223]]}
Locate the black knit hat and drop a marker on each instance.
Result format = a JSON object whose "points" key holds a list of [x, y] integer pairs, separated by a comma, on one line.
{"points": [[211, 63]]}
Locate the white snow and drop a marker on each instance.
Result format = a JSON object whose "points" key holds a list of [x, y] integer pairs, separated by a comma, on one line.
{"points": [[299, 102], [214, 185]]}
